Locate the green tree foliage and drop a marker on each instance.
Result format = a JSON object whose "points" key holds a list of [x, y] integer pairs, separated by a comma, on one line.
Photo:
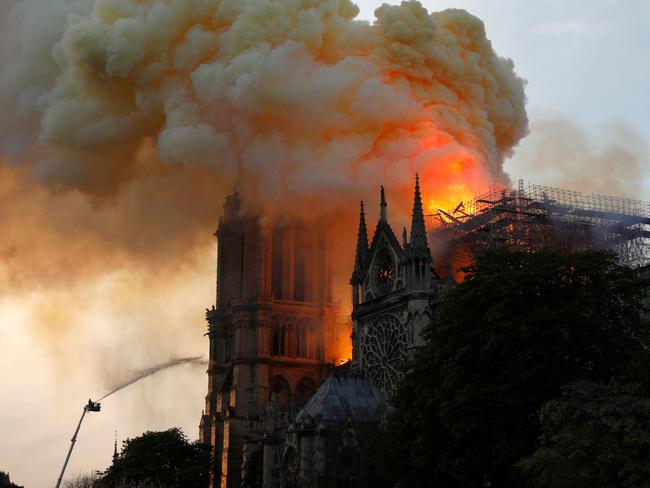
{"points": [[594, 436], [505, 341], [162, 459]]}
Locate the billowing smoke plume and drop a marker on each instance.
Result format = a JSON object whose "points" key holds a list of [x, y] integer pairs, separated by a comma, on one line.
{"points": [[295, 95]]}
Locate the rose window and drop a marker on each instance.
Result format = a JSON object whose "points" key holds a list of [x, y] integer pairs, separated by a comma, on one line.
{"points": [[384, 347]]}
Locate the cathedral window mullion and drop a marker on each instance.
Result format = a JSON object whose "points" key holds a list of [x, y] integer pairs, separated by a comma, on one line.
{"points": [[283, 340]]}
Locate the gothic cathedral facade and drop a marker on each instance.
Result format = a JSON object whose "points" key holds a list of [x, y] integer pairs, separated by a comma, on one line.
{"points": [[394, 288], [273, 334]]}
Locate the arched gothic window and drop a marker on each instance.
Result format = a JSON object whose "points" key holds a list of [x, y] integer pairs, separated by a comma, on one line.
{"points": [[284, 343], [279, 386], [291, 338], [275, 348], [304, 390], [294, 339], [277, 338]]}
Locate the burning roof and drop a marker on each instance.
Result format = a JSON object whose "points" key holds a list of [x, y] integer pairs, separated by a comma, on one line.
{"points": [[535, 216]]}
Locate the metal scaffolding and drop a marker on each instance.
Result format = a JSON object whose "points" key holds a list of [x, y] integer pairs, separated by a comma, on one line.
{"points": [[534, 217]]}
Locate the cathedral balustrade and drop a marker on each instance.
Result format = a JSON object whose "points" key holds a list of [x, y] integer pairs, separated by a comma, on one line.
{"points": [[312, 307]]}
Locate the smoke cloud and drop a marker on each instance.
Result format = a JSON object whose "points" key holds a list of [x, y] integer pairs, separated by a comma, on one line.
{"points": [[124, 123], [296, 94], [561, 153]]}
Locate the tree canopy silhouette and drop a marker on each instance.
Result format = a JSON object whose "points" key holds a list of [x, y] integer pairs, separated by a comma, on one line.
{"points": [[163, 459], [503, 342], [593, 436]]}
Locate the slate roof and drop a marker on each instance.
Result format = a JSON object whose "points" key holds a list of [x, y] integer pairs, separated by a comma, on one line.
{"points": [[343, 396]]}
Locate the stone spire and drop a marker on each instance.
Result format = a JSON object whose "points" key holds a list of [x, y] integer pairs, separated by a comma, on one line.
{"points": [[115, 448], [419, 244], [362, 244], [383, 205]]}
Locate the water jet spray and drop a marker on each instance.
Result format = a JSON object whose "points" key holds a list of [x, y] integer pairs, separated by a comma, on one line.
{"points": [[96, 406]]}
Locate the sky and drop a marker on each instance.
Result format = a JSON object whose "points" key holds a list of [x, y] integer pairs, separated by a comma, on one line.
{"points": [[584, 59], [585, 63]]}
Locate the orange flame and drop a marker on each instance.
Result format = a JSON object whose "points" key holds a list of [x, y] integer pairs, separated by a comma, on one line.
{"points": [[342, 347], [452, 167]]}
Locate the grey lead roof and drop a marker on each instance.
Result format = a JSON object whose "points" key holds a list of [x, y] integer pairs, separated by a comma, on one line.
{"points": [[341, 397]]}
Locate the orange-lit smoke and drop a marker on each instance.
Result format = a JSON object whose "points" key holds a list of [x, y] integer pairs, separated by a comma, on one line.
{"points": [[296, 94], [138, 116], [449, 173]]}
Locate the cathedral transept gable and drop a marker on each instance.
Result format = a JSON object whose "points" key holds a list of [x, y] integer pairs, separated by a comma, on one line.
{"points": [[393, 301]]}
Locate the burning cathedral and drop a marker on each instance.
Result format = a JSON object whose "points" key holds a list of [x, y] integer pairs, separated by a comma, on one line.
{"points": [[279, 411]]}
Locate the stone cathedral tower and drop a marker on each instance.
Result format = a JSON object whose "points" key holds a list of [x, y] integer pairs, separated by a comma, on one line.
{"points": [[271, 331]]}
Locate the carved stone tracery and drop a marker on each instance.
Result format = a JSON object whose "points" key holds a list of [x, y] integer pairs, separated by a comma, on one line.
{"points": [[384, 345]]}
